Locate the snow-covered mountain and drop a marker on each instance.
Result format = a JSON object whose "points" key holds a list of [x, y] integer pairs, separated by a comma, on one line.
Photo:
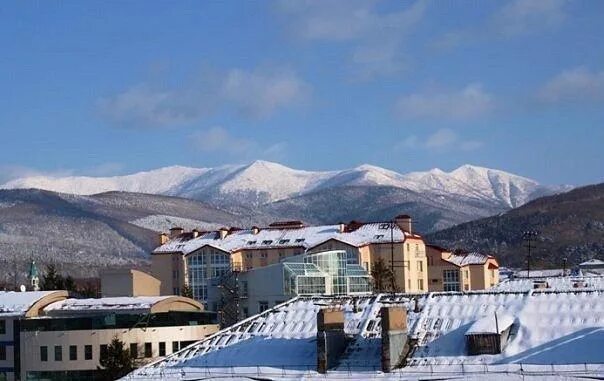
{"points": [[263, 182]]}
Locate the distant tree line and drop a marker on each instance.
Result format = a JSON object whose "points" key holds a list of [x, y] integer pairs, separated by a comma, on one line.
{"points": [[53, 280]]}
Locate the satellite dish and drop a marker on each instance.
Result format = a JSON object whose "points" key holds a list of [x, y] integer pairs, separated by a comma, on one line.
{"points": [[22, 288]]}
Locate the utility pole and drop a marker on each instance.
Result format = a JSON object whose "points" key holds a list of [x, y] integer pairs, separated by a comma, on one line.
{"points": [[564, 266], [528, 236]]}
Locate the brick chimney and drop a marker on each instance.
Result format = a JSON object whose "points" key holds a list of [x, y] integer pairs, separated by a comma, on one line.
{"points": [[342, 227], [176, 231], [403, 221], [163, 238], [331, 339], [394, 337], [255, 230], [195, 233], [223, 232]]}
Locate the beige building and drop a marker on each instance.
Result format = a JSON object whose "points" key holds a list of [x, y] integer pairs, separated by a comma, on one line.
{"points": [[194, 258], [449, 271], [128, 282], [56, 338]]}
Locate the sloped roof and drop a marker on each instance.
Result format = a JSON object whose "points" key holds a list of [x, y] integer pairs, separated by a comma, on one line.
{"points": [[305, 237], [592, 262], [126, 304], [15, 304], [473, 258], [281, 342], [494, 324]]}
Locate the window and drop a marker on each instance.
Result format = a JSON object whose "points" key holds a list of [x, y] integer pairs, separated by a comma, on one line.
{"points": [[420, 284], [2, 352], [366, 266], [262, 306], [281, 254], [246, 312], [378, 236], [162, 348], [58, 353], [267, 242], [420, 266], [451, 280], [251, 243], [466, 274], [104, 351], [2, 327], [134, 350], [406, 265], [408, 248], [148, 350], [248, 255], [44, 353], [174, 346], [263, 254], [87, 352], [73, 353], [298, 240], [408, 284], [284, 241]]}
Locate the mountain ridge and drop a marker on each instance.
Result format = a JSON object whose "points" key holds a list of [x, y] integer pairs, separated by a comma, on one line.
{"points": [[263, 182]]}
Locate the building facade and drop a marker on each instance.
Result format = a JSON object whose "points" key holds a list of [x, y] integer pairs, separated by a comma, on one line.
{"points": [[194, 258], [449, 271], [314, 274], [56, 338]]}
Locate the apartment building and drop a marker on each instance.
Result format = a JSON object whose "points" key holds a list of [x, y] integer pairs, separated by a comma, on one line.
{"points": [[448, 271], [48, 336], [193, 258]]}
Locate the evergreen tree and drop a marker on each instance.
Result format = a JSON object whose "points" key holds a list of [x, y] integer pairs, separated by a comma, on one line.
{"points": [[186, 291], [69, 284], [52, 280], [118, 362], [383, 278]]}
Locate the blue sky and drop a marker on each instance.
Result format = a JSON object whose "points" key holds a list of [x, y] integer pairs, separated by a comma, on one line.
{"points": [[113, 87]]}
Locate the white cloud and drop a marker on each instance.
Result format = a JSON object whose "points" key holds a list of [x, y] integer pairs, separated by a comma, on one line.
{"points": [[515, 18], [217, 140], [376, 35], [521, 17], [253, 94], [574, 85], [261, 94], [467, 103], [442, 140]]}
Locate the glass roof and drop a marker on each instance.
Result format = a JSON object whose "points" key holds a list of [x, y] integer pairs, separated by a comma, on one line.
{"points": [[302, 268], [355, 270]]}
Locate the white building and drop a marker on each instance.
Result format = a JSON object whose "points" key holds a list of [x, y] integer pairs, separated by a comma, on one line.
{"points": [[47, 336]]}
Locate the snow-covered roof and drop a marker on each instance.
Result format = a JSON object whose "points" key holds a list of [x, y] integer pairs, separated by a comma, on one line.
{"points": [[493, 324], [305, 237], [473, 258], [553, 283], [115, 305], [592, 262], [560, 328], [15, 304]]}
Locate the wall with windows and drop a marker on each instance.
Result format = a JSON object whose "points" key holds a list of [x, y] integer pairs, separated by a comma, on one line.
{"points": [[80, 350], [248, 259], [265, 289], [205, 264], [7, 348], [410, 263], [352, 252]]}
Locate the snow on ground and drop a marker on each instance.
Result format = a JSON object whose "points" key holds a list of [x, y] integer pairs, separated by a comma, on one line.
{"points": [[163, 223], [556, 334]]}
